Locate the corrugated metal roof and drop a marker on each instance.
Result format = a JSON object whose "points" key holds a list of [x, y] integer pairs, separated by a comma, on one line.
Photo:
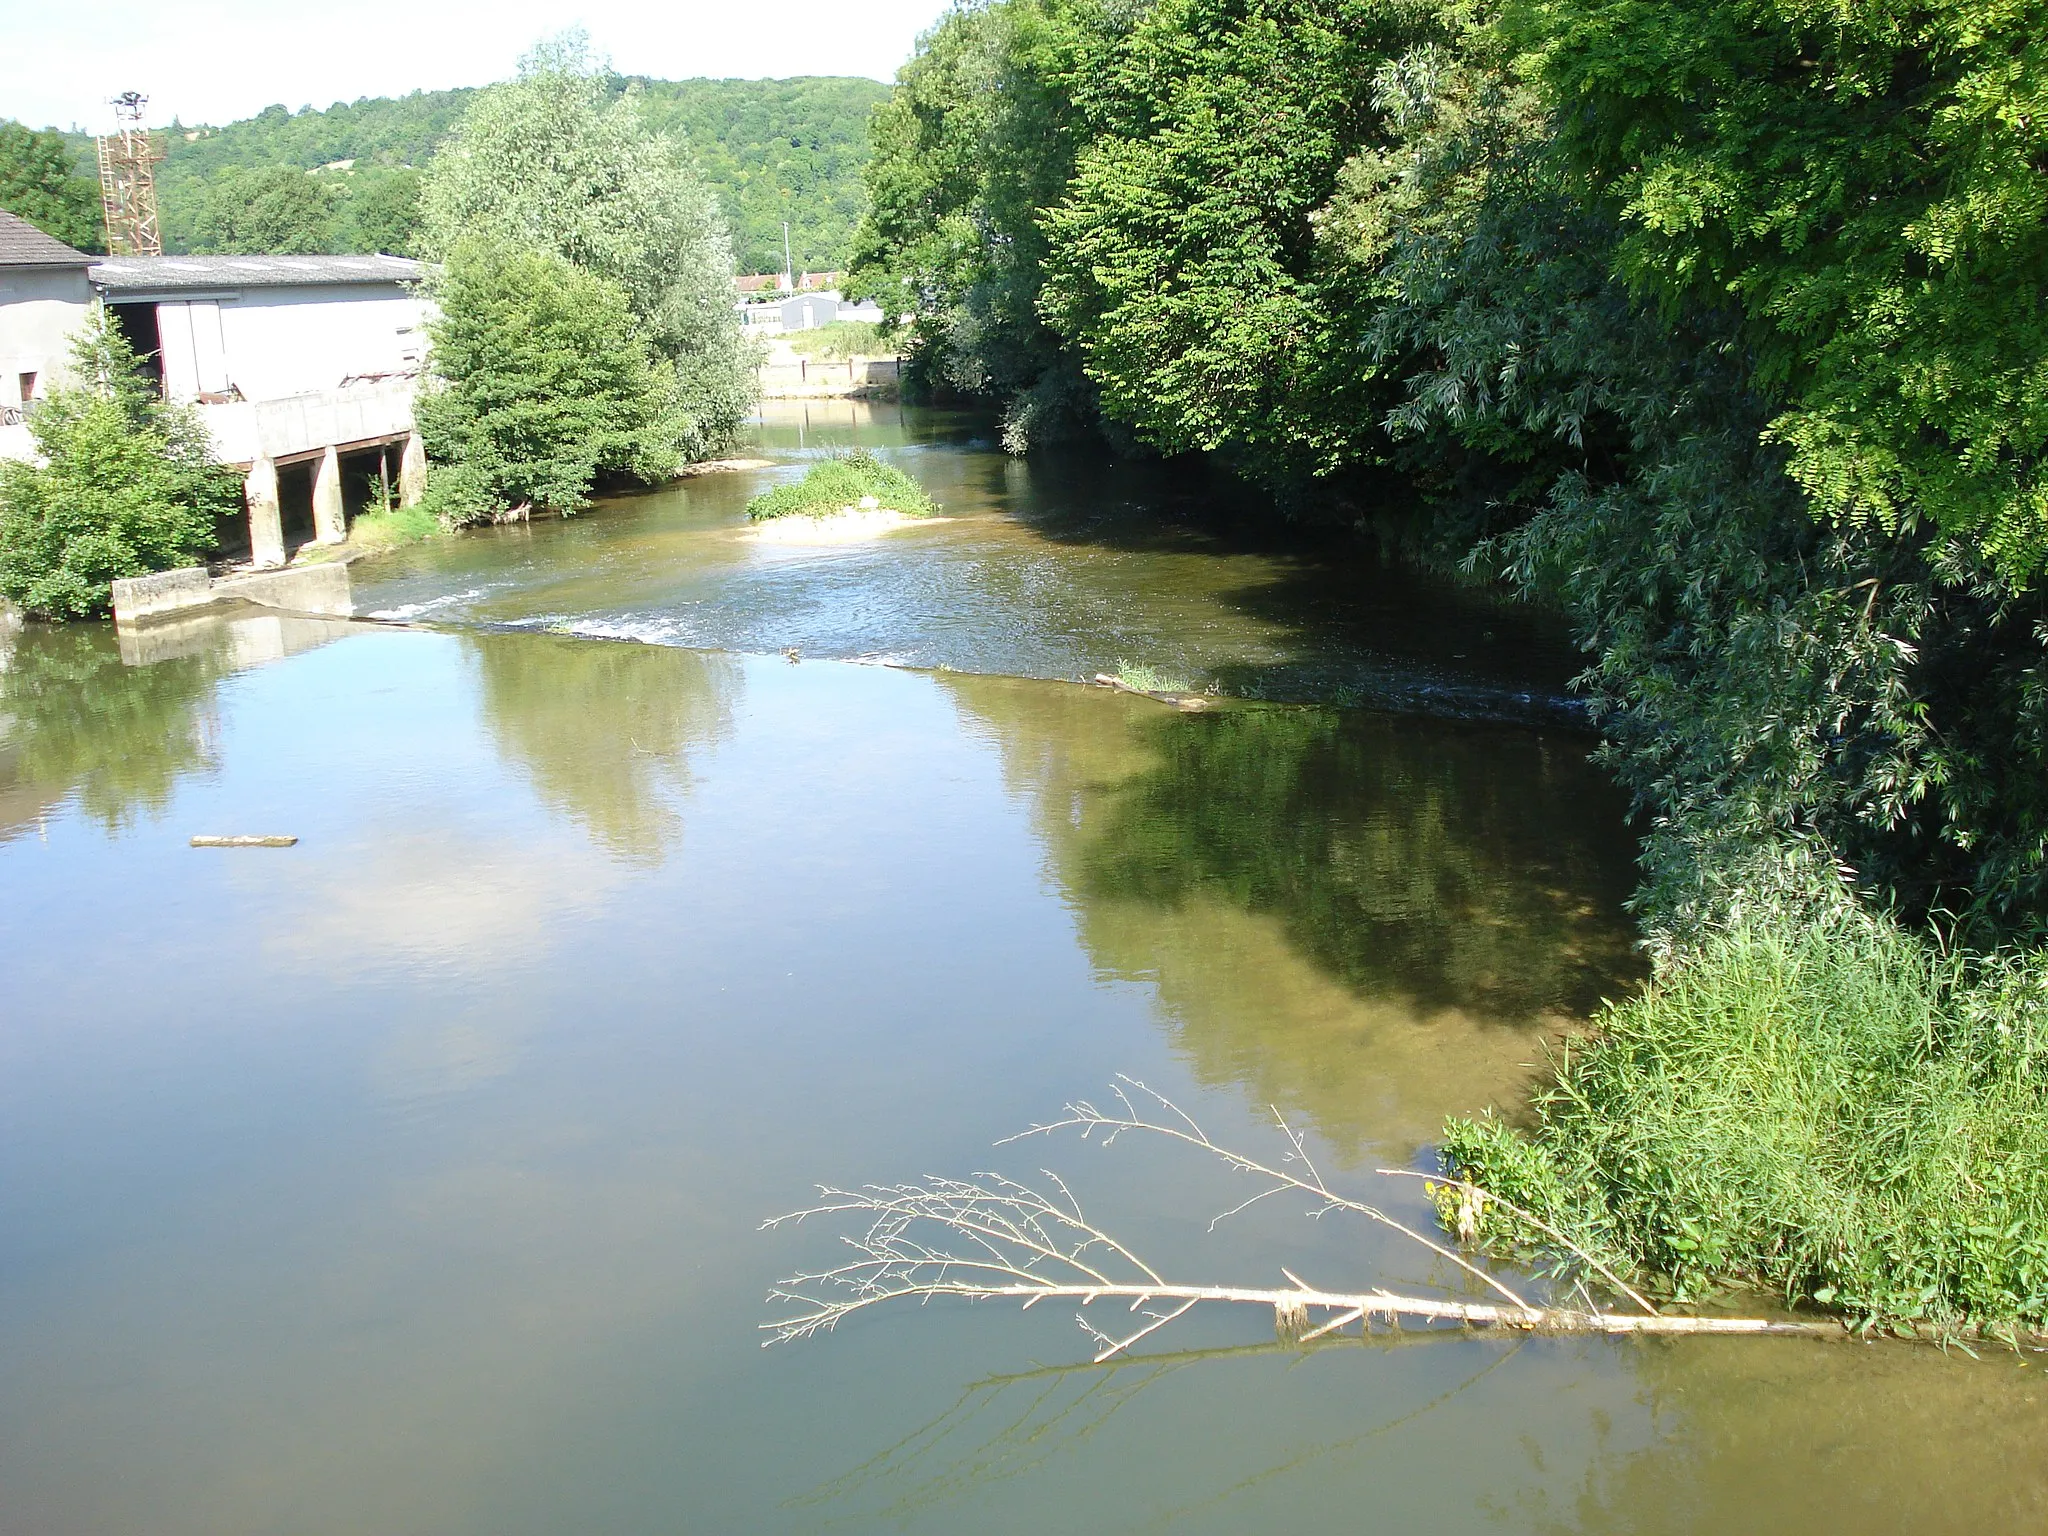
{"points": [[23, 245], [167, 274]]}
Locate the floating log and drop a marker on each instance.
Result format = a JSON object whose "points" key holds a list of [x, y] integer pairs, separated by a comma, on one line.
{"points": [[244, 842]]}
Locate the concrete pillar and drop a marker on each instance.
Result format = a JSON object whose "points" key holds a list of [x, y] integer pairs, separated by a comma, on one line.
{"points": [[412, 472], [330, 520], [266, 522]]}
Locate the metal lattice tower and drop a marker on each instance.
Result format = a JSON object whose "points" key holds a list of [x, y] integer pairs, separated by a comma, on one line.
{"points": [[128, 181]]}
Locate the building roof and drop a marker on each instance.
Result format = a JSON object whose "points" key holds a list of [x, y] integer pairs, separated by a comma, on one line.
{"points": [[23, 245], [119, 275]]}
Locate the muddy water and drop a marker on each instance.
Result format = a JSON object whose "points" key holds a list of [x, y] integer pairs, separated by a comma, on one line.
{"points": [[409, 1179]]}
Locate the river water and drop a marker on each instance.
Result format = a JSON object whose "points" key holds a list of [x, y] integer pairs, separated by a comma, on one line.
{"points": [[410, 1179]]}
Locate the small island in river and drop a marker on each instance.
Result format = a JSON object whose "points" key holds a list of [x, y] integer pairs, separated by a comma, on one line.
{"points": [[840, 501]]}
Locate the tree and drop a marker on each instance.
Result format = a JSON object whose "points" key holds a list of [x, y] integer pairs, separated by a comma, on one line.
{"points": [[548, 162], [543, 383], [1865, 182], [273, 212], [38, 182], [128, 485], [381, 212]]}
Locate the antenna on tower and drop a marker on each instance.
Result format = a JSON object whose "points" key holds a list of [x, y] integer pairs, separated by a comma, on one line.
{"points": [[128, 159]]}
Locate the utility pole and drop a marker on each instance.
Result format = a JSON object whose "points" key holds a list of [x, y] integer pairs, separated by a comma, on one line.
{"points": [[788, 269]]}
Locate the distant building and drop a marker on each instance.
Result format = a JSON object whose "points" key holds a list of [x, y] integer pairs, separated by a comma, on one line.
{"points": [[44, 297], [806, 312]]}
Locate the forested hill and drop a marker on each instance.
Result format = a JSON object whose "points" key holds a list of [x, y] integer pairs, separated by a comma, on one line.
{"points": [[773, 149]]}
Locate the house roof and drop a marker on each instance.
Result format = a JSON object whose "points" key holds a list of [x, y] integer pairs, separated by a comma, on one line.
{"points": [[23, 245], [118, 275]]}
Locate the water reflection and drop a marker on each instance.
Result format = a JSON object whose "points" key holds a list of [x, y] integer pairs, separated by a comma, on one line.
{"points": [[1370, 920], [74, 718], [606, 733]]}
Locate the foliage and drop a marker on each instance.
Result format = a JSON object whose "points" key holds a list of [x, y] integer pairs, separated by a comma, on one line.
{"points": [[377, 530], [1864, 182], [1819, 1103], [771, 150], [841, 485], [1182, 259], [543, 383], [40, 182], [548, 161], [839, 339], [277, 212], [127, 485], [971, 146], [776, 150]]}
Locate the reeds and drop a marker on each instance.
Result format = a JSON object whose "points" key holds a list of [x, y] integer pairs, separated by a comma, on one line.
{"points": [[843, 484], [1829, 1107]]}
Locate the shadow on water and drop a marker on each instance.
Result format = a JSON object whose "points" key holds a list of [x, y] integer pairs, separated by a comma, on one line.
{"points": [[76, 719], [1376, 922], [605, 733]]}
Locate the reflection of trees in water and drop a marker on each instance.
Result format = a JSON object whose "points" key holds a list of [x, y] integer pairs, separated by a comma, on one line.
{"points": [[74, 718], [1369, 921], [1018, 1424], [1791, 1438], [1456, 867], [604, 730]]}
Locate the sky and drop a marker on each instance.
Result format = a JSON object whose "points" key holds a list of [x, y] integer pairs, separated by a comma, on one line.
{"points": [[213, 61]]}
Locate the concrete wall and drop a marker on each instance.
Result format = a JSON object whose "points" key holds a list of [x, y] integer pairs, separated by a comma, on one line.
{"points": [[274, 342], [281, 429], [39, 309]]}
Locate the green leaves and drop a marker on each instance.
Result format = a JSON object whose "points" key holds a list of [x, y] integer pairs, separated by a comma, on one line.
{"points": [[544, 384], [127, 486]]}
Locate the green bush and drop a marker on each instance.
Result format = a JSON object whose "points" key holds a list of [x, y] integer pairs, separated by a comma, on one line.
{"points": [[127, 486], [1814, 1101], [544, 383], [839, 485]]}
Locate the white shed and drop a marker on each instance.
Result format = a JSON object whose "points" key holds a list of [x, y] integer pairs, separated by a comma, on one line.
{"points": [[268, 327]]}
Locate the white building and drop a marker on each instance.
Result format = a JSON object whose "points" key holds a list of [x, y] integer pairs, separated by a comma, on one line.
{"points": [[806, 312], [268, 327], [304, 370], [44, 296]]}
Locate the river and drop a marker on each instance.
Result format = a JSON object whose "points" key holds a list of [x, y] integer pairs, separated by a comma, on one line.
{"points": [[411, 1179]]}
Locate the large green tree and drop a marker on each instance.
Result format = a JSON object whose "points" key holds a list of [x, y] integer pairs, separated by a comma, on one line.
{"points": [[1865, 182], [275, 211], [543, 382], [126, 485], [40, 182], [551, 161]]}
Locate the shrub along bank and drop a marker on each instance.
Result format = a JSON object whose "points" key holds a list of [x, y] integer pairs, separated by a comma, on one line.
{"points": [[1716, 325], [127, 485]]}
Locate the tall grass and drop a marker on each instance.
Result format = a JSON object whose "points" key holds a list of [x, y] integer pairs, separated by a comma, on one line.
{"points": [[839, 485], [1827, 1106]]}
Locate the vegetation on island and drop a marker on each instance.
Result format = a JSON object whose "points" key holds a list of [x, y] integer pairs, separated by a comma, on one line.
{"points": [[126, 485], [1716, 327], [582, 334], [848, 483]]}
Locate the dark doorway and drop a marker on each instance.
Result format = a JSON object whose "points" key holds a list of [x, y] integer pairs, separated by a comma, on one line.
{"points": [[137, 323]]}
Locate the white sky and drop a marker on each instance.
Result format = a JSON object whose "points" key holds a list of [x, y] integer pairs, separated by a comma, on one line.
{"points": [[212, 61]]}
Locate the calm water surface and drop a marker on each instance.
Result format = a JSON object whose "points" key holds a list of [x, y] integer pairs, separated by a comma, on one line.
{"points": [[409, 1180]]}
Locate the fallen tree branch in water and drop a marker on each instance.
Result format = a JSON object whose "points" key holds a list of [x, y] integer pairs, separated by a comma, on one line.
{"points": [[991, 1238]]}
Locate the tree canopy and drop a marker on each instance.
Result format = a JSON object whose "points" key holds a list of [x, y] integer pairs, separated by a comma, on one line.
{"points": [[40, 182]]}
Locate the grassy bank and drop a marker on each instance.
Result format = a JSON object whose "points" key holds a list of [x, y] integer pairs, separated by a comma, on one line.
{"points": [[1825, 1106], [842, 485]]}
